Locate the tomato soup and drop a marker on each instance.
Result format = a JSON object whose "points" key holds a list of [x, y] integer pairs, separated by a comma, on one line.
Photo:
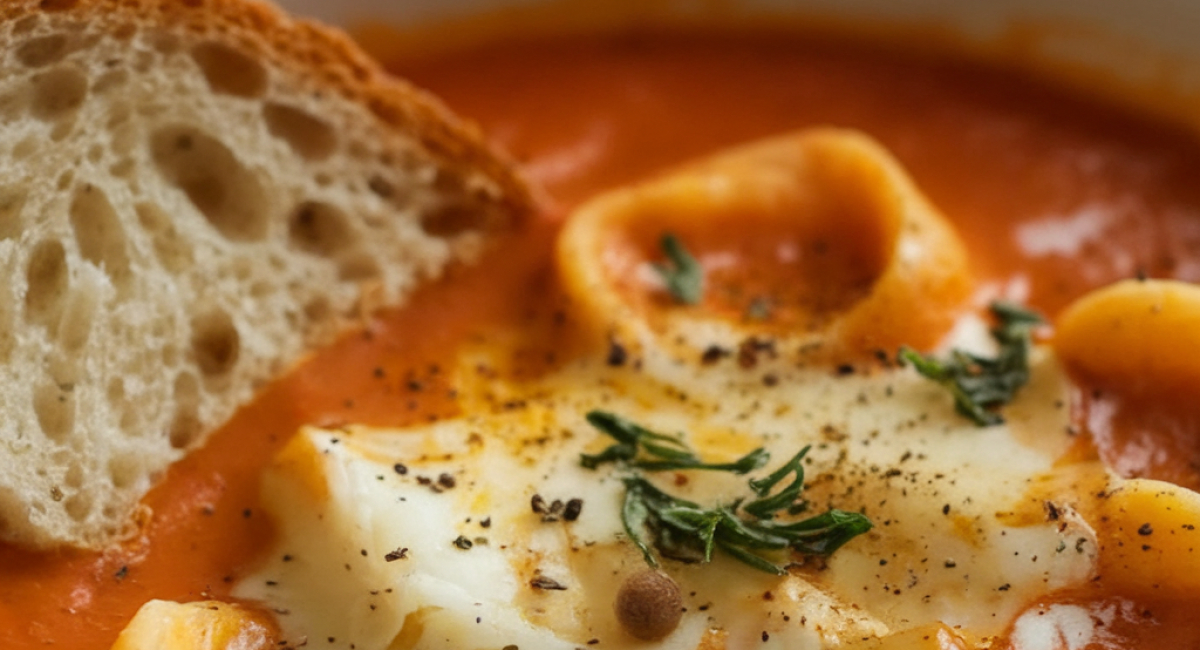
{"points": [[1054, 193]]}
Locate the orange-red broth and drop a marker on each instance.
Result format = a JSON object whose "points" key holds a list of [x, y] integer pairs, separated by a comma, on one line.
{"points": [[1054, 194]]}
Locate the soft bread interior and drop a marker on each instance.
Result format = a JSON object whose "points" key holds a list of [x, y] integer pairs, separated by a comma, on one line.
{"points": [[191, 196]]}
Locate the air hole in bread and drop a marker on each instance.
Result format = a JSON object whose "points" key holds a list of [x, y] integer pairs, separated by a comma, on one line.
{"points": [[164, 43], [119, 114], [57, 5], [13, 105], [123, 168], [64, 368], [382, 188], [99, 234], [230, 196], [80, 505], [61, 130], [215, 342], [60, 457], [452, 219], [42, 51], [74, 476], [172, 250], [185, 425], [318, 309], [124, 31], [26, 24], [171, 355], [76, 323], [8, 339], [55, 409], [229, 71], [357, 266], [309, 137], [243, 268], [124, 470], [95, 153], [25, 148], [262, 289], [84, 33], [115, 393], [150, 109], [76, 327], [110, 80], [12, 200], [57, 92], [47, 281], [144, 61], [320, 229]]}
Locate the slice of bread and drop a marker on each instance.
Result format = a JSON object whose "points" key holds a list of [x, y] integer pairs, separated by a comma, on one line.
{"points": [[194, 193]]}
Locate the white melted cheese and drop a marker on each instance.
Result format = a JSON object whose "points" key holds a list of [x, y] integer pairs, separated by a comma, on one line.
{"points": [[961, 536]]}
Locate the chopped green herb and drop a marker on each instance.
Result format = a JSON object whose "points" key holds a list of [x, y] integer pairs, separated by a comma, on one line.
{"points": [[682, 273], [642, 448], [981, 385], [747, 530]]}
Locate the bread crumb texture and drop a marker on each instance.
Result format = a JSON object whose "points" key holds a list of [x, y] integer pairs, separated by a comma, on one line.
{"points": [[193, 194]]}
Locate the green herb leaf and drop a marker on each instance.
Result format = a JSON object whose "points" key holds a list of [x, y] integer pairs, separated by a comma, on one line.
{"points": [[766, 506], [824, 533], [682, 273], [753, 560], [658, 522], [635, 516], [642, 448], [980, 385]]}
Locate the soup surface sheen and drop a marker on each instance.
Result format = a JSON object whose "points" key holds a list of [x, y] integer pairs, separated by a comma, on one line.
{"points": [[1053, 194]]}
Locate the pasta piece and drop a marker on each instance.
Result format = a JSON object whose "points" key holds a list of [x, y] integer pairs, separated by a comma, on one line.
{"points": [[1149, 542], [1134, 335], [204, 625], [817, 238]]}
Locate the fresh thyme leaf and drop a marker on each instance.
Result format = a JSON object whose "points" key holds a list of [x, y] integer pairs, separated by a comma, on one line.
{"points": [[635, 515], [682, 273], [824, 533], [1012, 316], [747, 533], [660, 523], [640, 447], [980, 385], [747, 463], [696, 521], [766, 506], [753, 560]]}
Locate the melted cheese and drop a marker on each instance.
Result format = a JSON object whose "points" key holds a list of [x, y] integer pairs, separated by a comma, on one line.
{"points": [[957, 538]]}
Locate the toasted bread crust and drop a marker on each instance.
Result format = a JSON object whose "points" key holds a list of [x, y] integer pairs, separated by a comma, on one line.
{"points": [[319, 59]]}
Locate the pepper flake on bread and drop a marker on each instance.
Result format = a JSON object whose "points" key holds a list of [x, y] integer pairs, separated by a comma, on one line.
{"points": [[194, 193]]}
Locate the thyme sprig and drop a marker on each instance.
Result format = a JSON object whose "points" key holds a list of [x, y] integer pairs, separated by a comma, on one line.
{"points": [[981, 385], [642, 448], [748, 530], [683, 275]]}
